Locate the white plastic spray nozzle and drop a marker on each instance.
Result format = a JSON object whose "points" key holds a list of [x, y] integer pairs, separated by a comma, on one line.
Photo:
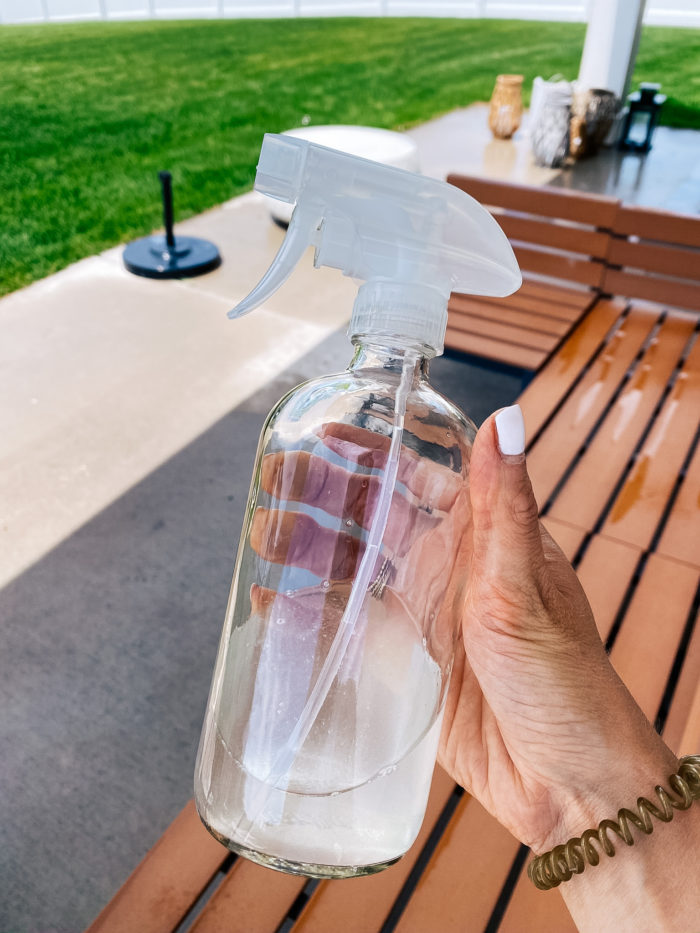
{"points": [[412, 240]]}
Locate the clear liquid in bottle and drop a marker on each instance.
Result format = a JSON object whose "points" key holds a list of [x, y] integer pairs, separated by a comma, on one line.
{"points": [[351, 799]]}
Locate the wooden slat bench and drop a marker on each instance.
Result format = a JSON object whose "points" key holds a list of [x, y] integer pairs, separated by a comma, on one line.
{"points": [[614, 453], [561, 241], [654, 254]]}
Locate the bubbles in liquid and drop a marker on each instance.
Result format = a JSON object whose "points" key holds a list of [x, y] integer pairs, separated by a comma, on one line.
{"points": [[326, 584], [289, 593], [280, 620], [349, 523]]}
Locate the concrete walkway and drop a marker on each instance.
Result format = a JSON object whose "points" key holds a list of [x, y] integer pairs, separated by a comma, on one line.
{"points": [[131, 409]]}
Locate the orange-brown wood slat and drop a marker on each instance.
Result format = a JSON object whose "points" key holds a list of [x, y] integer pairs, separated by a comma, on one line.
{"points": [[495, 330], [578, 297], [162, 889], [640, 503], [646, 645], [670, 293], [690, 740], [600, 468], [561, 236], [680, 715], [560, 265], [251, 899], [596, 210], [568, 537], [563, 312], [461, 883], [551, 385], [363, 904], [510, 314], [513, 354], [651, 224], [681, 535], [533, 911], [605, 572], [668, 260], [567, 431]]}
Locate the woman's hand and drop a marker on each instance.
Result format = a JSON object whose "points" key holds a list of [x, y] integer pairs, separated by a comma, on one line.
{"points": [[538, 726]]}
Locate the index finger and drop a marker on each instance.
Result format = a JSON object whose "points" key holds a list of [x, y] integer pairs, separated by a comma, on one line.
{"points": [[434, 485]]}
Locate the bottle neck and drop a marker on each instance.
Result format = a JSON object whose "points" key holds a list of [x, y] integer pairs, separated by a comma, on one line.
{"points": [[373, 354], [406, 312]]}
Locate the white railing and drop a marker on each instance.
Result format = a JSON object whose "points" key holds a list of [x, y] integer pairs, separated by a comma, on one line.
{"points": [[658, 12]]}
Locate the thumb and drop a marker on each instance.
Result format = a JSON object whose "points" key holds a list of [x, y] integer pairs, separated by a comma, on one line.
{"points": [[507, 544]]}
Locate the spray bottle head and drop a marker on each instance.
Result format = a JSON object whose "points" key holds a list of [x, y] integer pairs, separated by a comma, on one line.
{"points": [[410, 239]]}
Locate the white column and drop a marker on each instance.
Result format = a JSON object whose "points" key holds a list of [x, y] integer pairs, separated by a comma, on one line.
{"points": [[611, 44]]}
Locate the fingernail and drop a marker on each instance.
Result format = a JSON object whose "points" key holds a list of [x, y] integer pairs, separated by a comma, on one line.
{"points": [[510, 429]]}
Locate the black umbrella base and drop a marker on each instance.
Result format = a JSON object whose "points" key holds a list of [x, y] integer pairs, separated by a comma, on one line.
{"points": [[189, 256]]}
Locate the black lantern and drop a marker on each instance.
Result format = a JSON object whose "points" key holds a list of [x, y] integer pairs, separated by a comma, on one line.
{"points": [[642, 116]]}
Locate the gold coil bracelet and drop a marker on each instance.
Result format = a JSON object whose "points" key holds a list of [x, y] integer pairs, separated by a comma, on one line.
{"points": [[550, 869]]}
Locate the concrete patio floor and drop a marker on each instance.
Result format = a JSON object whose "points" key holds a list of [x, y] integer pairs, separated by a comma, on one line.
{"points": [[131, 412]]}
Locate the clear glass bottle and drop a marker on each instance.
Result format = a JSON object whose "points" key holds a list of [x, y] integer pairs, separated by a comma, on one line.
{"points": [[352, 801], [323, 721]]}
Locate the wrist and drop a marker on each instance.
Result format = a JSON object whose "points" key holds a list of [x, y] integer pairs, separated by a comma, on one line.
{"points": [[613, 778], [650, 885]]}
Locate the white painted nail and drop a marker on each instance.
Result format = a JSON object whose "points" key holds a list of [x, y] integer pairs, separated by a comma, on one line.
{"points": [[510, 428]]}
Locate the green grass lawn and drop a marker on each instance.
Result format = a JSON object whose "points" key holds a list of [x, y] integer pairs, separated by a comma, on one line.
{"points": [[90, 112]]}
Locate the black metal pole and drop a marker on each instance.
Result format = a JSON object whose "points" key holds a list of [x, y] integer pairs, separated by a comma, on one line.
{"points": [[179, 257], [166, 184]]}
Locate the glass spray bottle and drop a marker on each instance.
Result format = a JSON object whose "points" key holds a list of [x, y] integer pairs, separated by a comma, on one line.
{"points": [[324, 715]]}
